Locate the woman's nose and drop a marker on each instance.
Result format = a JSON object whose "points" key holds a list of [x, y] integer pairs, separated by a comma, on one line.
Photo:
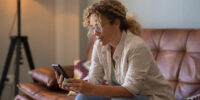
{"points": [[96, 33]]}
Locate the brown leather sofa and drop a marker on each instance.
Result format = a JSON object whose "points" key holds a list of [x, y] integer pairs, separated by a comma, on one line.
{"points": [[177, 53]]}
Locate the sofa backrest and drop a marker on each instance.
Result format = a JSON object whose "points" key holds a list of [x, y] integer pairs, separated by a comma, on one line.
{"points": [[177, 53]]}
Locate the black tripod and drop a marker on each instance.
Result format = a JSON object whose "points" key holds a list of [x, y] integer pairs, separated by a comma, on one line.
{"points": [[16, 42]]}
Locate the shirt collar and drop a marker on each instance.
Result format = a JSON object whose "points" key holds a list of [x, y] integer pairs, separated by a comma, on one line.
{"points": [[119, 48]]}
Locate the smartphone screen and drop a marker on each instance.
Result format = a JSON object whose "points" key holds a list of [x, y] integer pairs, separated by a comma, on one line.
{"points": [[60, 71]]}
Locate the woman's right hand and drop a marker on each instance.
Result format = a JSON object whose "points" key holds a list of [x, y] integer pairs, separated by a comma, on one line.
{"points": [[60, 80]]}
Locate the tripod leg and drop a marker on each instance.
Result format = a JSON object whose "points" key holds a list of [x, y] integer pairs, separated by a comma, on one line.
{"points": [[18, 58], [28, 53], [7, 63]]}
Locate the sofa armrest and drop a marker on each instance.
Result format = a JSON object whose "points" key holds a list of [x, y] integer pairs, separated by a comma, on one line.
{"points": [[23, 97], [47, 75], [69, 70], [41, 92]]}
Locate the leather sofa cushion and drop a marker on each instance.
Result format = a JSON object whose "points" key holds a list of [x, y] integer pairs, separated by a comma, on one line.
{"points": [[177, 54], [41, 92], [44, 75], [47, 75], [23, 97]]}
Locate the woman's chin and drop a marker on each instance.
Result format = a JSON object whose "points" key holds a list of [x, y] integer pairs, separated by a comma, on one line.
{"points": [[101, 42]]}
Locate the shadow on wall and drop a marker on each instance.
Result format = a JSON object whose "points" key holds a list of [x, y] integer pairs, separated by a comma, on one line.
{"points": [[46, 5], [60, 3]]}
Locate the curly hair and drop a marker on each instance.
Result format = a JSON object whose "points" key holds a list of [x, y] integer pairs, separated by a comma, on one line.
{"points": [[112, 9]]}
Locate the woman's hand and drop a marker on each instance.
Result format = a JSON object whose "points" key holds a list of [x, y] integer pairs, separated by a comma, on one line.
{"points": [[76, 85], [60, 79], [79, 86]]}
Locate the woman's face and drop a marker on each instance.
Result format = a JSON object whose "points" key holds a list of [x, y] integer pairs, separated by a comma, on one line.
{"points": [[107, 30]]}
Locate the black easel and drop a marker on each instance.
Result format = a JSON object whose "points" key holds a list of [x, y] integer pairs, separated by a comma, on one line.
{"points": [[16, 41]]}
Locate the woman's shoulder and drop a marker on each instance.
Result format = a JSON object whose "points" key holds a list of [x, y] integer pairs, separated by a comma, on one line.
{"points": [[134, 41], [135, 44]]}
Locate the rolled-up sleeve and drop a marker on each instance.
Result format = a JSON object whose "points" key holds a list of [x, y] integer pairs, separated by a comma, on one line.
{"points": [[139, 60], [96, 71]]}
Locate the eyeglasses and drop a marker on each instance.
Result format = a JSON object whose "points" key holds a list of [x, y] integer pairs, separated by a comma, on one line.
{"points": [[97, 27]]}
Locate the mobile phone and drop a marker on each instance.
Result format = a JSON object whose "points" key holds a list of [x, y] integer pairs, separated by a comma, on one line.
{"points": [[59, 69]]}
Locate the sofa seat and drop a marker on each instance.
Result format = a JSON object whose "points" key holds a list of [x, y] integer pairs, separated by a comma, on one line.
{"points": [[41, 92]]}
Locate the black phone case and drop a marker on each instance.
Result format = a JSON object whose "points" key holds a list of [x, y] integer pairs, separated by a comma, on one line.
{"points": [[60, 71]]}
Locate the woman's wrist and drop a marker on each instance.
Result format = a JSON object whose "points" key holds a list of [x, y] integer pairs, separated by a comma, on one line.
{"points": [[94, 89], [110, 91]]}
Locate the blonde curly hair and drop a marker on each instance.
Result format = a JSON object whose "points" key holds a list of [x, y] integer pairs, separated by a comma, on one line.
{"points": [[112, 9]]}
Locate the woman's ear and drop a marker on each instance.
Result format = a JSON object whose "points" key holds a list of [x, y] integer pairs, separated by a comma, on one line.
{"points": [[117, 23]]}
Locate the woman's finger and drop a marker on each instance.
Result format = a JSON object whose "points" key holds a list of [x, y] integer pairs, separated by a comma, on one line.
{"points": [[57, 76], [64, 86], [73, 84], [73, 89], [71, 80], [60, 80]]}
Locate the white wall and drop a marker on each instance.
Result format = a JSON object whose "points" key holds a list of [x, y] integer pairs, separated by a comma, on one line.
{"points": [[83, 32], [38, 23], [67, 31], [164, 13]]}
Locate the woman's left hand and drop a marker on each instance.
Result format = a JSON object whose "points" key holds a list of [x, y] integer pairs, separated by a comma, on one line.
{"points": [[78, 85]]}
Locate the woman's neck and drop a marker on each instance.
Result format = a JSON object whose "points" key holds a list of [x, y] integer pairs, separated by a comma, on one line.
{"points": [[115, 41]]}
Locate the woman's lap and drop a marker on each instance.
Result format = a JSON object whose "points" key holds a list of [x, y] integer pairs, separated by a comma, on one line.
{"points": [[90, 97], [93, 97]]}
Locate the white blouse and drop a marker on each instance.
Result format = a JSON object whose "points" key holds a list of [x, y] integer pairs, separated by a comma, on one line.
{"points": [[135, 68]]}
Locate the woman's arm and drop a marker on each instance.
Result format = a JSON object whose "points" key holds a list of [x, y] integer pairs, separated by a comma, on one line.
{"points": [[139, 63], [111, 91], [96, 71], [84, 87]]}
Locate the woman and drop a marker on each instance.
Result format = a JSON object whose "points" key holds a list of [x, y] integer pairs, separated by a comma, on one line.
{"points": [[122, 56]]}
